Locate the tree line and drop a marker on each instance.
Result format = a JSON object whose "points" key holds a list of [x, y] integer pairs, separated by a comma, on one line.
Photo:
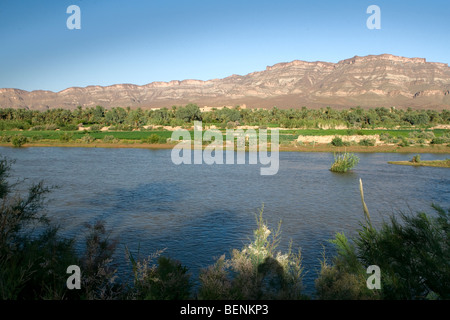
{"points": [[124, 118]]}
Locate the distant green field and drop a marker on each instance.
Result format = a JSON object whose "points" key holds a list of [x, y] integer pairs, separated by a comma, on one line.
{"points": [[123, 135], [285, 135]]}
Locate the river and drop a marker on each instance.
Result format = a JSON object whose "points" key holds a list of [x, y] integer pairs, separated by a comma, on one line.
{"points": [[199, 212]]}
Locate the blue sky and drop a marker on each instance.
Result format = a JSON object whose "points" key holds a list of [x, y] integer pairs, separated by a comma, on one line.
{"points": [[139, 41]]}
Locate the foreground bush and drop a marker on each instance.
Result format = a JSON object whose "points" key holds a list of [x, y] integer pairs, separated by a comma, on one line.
{"points": [[30, 267], [167, 280], [345, 278], [257, 271], [413, 255], [34, 257]]}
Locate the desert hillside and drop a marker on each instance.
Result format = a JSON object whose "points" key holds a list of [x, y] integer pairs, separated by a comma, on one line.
{"points": [[370, 81]]}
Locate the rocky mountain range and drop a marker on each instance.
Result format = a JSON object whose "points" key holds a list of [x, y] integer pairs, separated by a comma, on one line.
{"points": [[370, 81]]}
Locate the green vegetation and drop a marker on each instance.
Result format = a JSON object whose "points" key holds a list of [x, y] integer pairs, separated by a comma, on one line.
{"points": [[22, 257], [424, 163], [87, 138], [354, 119], [66, 137], [445, 138], [337, 142], [18, 140], [126, 125], [110, 139], [412, 253], [256, 272], [344, 161], [154, 139], [168, 280], [367, 142]]}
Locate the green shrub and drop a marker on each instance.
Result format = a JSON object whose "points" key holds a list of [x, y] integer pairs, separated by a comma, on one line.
{"points": [[440, 140], [18, 141], [69, 127], [168, 280], [385, 137], [162, 140], [422, 135], [51, 127], [416, 158], [337, 142], [344, 162], [110, 139], [5, 138], [121, 127], [257, 271], [14, 125], [421, 141], [38, 128], [36, 137], [87, 138], [404, 142], [99, 272], [32, 266], [95, 127], [345, 278], [367, 142], [412, 255], [66, 137], [152, 139]]}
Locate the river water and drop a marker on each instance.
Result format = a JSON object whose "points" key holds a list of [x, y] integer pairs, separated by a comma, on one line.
{"points": [[199, 212]]}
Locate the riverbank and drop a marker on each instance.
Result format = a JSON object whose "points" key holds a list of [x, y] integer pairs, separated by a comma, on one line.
{"points": [[283, 148], [425, 163]]}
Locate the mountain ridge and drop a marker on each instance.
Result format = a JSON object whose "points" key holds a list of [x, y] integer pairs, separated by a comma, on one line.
{"points": [[382, 80]]}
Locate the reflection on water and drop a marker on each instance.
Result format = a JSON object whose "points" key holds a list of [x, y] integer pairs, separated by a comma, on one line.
{"points": [[199, 212]]}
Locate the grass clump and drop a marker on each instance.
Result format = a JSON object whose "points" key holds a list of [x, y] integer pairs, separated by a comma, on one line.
{"points": [[440, 140], [337, 142], [416, 158], [258, 271], [367, 142], [110, 139], [87, 138], [66, 137], [344, 161], [154, 139]]}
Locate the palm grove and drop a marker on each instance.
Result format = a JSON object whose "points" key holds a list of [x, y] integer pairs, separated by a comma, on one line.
{"points": [[127, 118]]}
